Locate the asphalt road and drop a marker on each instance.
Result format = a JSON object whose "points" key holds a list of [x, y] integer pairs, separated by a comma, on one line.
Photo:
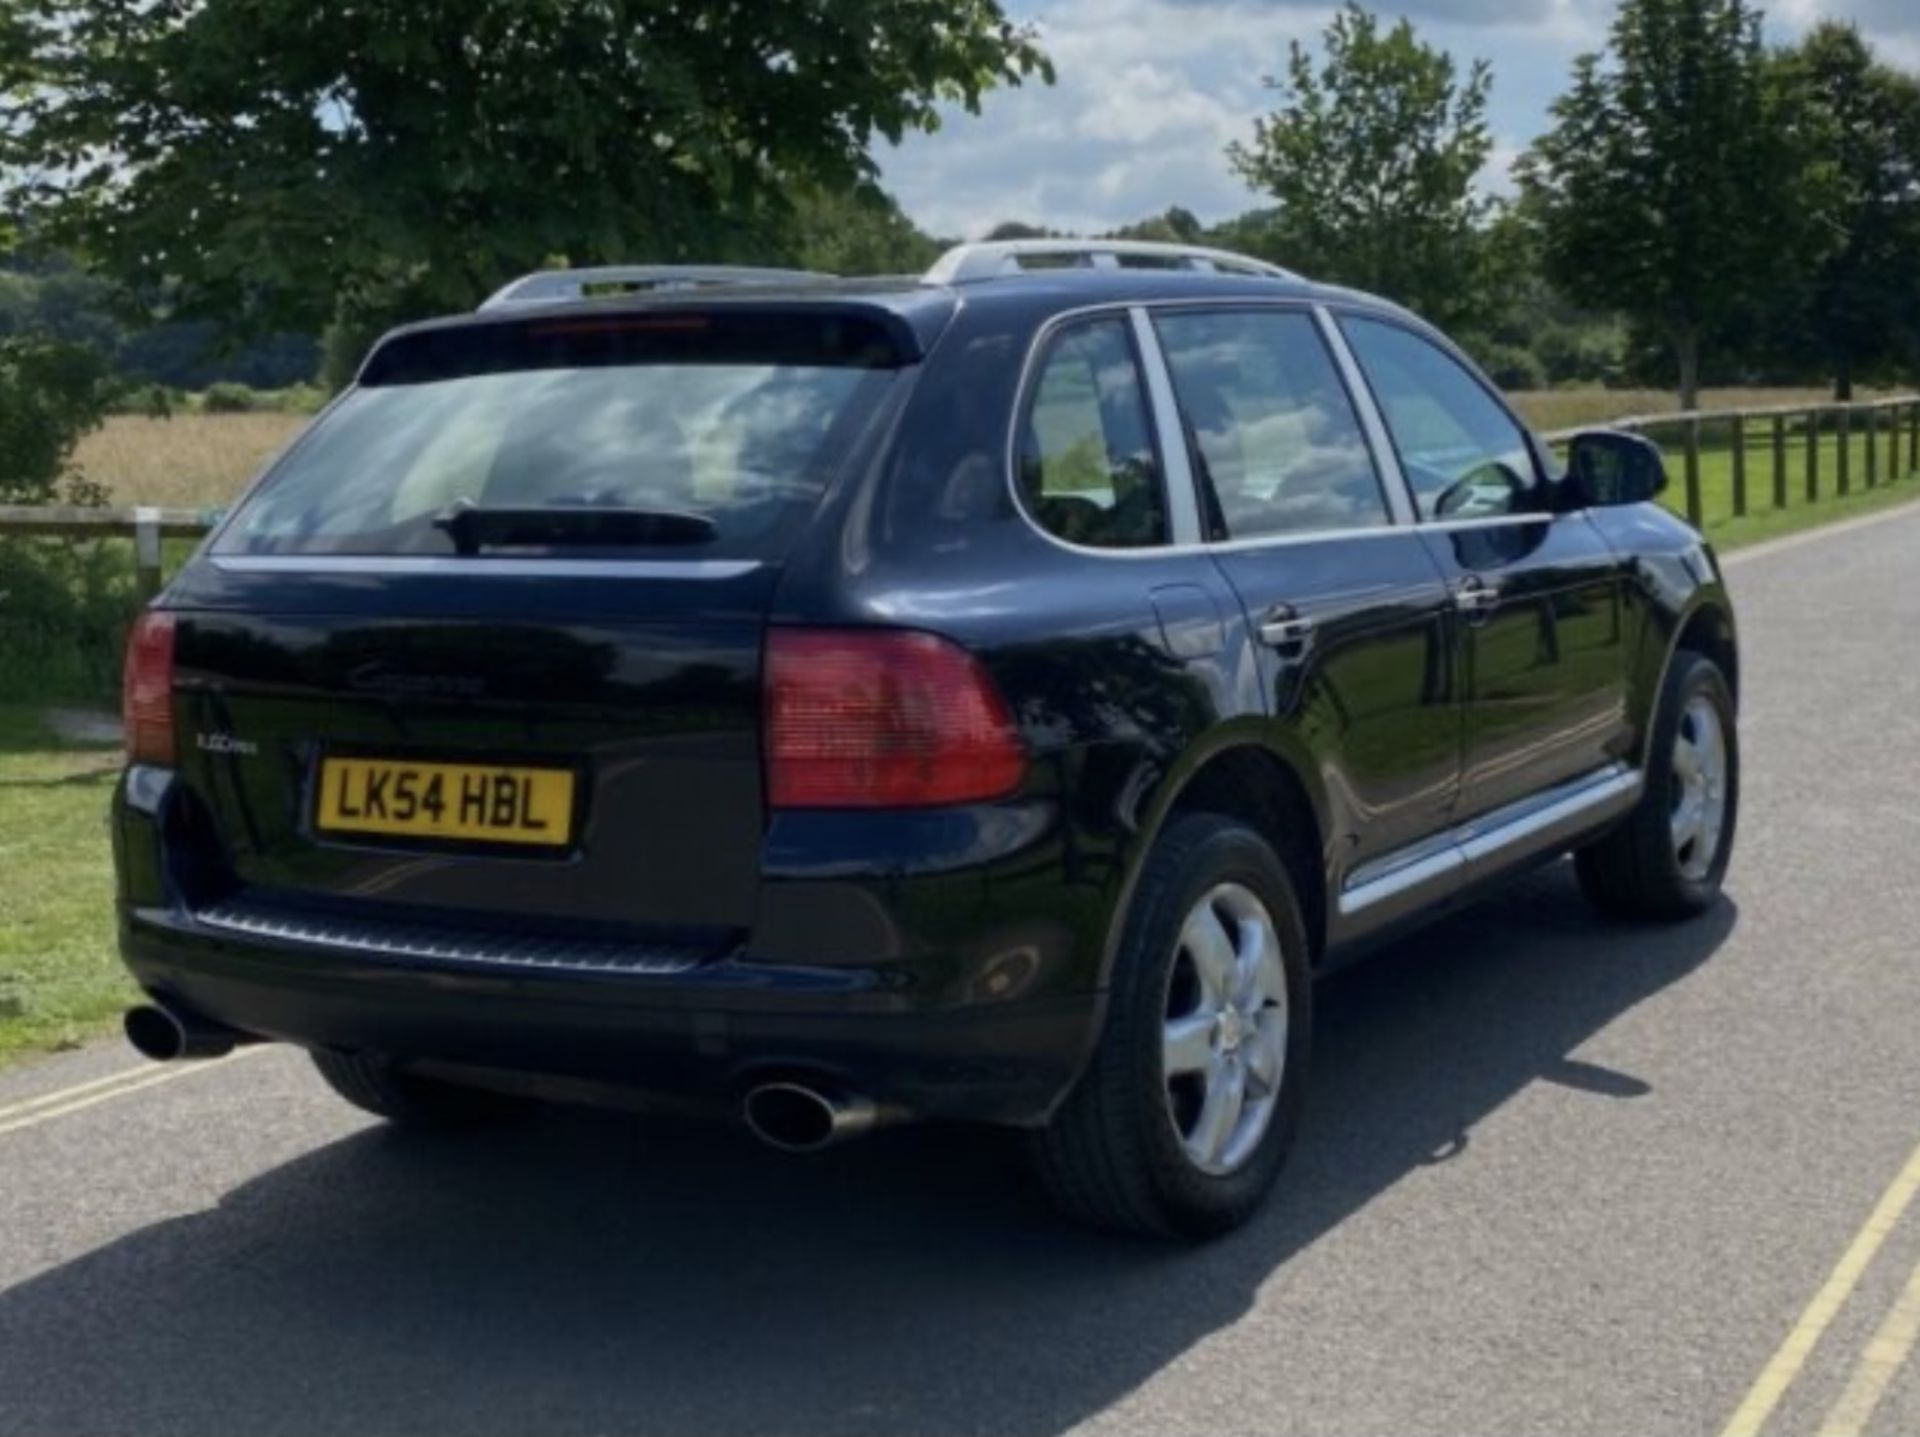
{"points": [[1556, 1177]]}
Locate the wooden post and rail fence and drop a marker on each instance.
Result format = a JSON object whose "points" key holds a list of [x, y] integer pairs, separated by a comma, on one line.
{"points": [[1789, 440], [1787, 437]]}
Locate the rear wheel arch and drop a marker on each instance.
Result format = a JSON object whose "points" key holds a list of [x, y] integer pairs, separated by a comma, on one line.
{"points": [[1246, 780]]}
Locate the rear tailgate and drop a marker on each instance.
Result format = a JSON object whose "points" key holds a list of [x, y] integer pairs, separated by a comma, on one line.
{"points": [[388, 713], [656, 719]]}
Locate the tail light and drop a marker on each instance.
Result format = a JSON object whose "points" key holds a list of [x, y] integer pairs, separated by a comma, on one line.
{"points": [[883, 719], [146, 695]]}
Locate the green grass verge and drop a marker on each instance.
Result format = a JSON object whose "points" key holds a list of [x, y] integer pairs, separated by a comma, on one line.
{"points": [[61, 982]]}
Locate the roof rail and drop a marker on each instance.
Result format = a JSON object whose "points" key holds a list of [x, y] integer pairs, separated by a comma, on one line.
{"points": [[993, 259], [558, 286]]}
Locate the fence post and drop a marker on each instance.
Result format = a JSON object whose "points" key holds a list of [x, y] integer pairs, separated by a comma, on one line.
{"points": [[1693, 471], [1779, 461], [1846, 445], [146, 551], [1813, 456], [1739, 466], [1873, 447], [1913, 439]]}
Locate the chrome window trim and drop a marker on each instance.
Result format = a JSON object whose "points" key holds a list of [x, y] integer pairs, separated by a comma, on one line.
{"points": [[498, 568], [1386, 458], [1396, 513], [1420, 329], [1023, 391], [1397, 528], [1176, 464]]}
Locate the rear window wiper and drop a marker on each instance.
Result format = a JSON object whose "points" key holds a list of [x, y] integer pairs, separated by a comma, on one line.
{"points": [[475, 527]]}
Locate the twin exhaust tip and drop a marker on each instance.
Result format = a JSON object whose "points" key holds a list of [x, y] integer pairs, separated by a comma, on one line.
{"points": [[797, 1118], [166, 1034]]}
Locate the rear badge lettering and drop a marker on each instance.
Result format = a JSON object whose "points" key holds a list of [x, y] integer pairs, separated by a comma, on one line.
{"points": [[225, 743]]}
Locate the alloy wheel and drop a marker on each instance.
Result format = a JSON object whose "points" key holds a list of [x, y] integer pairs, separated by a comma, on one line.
{"points": [[1699, 799], [1224, 1039]]}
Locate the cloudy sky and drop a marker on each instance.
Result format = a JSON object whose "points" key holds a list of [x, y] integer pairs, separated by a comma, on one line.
{"points": [[1151, 91]]}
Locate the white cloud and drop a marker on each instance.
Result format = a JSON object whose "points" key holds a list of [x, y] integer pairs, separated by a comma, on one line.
{"points": [[1150, 103], [1152, 91]]}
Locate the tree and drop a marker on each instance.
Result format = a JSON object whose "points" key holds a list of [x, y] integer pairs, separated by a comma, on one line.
{"points": [[1671, 188], [51, 393], [1863, 303], [1371, 161], [1176, 226], [858, 231], [260, 158], [1021, 230]]}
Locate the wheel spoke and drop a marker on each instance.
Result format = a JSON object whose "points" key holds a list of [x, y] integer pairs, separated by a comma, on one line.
{"points": [[1686, 760], [1187, 1046], [1270, 977], [1686, 821], [1259, 951], [1267, 1049], [1207, 942], [1219, 1114], [1712, 750]]}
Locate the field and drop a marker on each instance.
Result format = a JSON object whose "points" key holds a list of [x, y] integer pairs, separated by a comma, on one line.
{"points": [[60, 982], [186, 461], [1549, 409]]}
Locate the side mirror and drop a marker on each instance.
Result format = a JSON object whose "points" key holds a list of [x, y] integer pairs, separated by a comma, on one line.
{"points": [[1487, 492], [1608, 467]]}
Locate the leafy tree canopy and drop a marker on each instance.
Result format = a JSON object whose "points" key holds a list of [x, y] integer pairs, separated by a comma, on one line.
{"points": [[51, 393], [1370, 160], [1672, 187], [258, 158], [1862, 304]]}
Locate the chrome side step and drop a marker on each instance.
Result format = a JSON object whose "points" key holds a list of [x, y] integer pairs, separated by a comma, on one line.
{"points": [[1483, 845]]}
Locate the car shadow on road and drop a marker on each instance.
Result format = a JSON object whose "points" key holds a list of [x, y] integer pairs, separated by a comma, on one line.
{"points": [[591, 1273]]}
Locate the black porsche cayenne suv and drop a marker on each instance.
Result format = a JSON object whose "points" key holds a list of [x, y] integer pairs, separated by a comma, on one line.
{"points": [[989, 696]]}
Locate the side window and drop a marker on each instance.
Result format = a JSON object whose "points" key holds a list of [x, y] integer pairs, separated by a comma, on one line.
{"points": [[1088, 470], [1278, 447], [1463, 455]]}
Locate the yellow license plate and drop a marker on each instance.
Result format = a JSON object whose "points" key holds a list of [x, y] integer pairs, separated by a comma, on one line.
{"points": [[461, 802]]}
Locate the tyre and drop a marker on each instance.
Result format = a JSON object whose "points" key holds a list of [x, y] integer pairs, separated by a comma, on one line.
{"points": [[1187, 1109], [1667, 860], [372, 1083]]}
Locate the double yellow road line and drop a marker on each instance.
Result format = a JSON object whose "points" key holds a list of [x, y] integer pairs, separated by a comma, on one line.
{"points": [[31, 1112], [1886, 1351]]}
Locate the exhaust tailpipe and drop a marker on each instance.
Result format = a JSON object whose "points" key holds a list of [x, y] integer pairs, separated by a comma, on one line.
{"points": [[797, 1118], [166, 1034]]}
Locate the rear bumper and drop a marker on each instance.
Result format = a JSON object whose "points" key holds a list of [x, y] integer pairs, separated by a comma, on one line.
{"points": [[701, 1036]]}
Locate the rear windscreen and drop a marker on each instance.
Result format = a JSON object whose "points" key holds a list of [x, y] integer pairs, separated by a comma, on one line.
{"points": [[740, 421]]}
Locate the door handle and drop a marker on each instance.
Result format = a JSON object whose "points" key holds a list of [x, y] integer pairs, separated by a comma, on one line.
{"points": [[1285, 628], [1476, 597]]}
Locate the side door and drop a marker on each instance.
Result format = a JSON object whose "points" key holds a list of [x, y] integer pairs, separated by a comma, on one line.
{"points": [[1351, 612], [1542, 648]]}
